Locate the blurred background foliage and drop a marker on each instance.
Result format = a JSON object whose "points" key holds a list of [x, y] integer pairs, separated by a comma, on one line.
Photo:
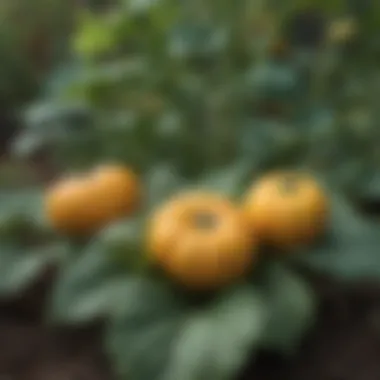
{"points": [[33, 36], [203, 84]]}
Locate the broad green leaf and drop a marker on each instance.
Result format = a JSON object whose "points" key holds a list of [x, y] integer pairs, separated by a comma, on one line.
{"points": [[273, 81], [162, 181], [349, 251], [270, 144], [197, 41], [146, 318], [215, 342], [142, 299], [64, 75], [162, 13], [20, 267], [291, 307], [48, 123], [170, 131], [345, 222], [369, 186], [48, 116], [229, 181], [157, 333], [27, 244], [123, 242], [85, 286], [125, 71], [28, 143], [27, 201], [22, 220]]}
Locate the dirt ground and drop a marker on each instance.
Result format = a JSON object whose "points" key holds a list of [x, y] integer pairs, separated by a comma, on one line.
{"points": [[345, 345]]}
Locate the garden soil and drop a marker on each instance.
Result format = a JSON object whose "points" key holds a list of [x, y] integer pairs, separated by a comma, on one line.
{"points": [[345, 344]]}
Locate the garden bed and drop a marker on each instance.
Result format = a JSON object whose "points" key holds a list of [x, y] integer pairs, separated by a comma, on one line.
{"points": [[209, 103], [345, 344]]}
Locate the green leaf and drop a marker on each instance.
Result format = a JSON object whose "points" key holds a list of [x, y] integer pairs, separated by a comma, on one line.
{"points": [[28, 143], [123, 71], [48, 117], [62, 77], [157, 333], [215, 343], [123, 242], [50, 122], [26, 201], [229, 181], [162, 14], [273, 81], [197, 41], [145, 321], [85, 287], [162, 181], [349, 251], [269, 143], [19, 268], [369, 186], [171, 133], [27, 244], [292, 309], [22, 220]]}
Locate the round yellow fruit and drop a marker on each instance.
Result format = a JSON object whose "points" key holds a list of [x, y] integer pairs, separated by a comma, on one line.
{"points": [[83, 204], [286, 209], [201, 240]]}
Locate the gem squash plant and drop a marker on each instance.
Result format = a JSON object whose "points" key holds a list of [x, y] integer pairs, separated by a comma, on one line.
{"points": [[193, 98], [201, 239], [300, 205], [85, 203], [28, 245]]}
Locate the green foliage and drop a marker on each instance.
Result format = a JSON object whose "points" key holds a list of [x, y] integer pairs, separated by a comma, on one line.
{"points": [[161, 181], [29, 33], [84, 287], [88, 282], [229, 181], [147, 312], [349, 251], [205, 95], [96, 36], [216, 343], [27, 246], [292, 308], [200, 90], [156, 332], [22, 267]]}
